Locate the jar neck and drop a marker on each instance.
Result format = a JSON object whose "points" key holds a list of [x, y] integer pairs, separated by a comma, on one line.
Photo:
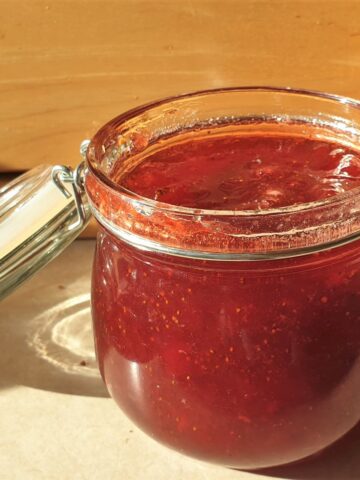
{"points": [[215, 236], [300, 229]]}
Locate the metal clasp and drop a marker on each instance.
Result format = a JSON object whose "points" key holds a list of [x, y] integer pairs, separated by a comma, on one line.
{"points": [[62, 176]]}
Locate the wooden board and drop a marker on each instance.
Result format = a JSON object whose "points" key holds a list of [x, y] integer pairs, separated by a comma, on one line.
{"points": [[69, 66]]}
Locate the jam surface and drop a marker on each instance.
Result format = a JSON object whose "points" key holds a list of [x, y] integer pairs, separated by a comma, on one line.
{"points": [[234, 172], [247, 364]]}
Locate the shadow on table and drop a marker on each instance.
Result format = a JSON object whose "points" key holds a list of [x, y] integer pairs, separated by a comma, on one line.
{"points": [[338, 462], [52, 350]]}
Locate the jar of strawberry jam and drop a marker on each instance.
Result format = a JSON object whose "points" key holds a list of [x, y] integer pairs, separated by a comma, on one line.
{"points": [[226, 278]]}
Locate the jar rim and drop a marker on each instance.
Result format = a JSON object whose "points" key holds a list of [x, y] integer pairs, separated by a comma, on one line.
{"points": [[288, 209], [291, 230]]}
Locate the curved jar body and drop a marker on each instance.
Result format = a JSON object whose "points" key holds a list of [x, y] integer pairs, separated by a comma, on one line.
{"points": [[235, 347], [245, 365]]}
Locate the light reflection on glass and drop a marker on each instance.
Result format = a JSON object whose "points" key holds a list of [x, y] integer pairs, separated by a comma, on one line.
{"points": [[135, 380]]}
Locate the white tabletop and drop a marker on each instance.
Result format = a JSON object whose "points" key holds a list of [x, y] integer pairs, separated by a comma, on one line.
{"points": [[57, 421]]}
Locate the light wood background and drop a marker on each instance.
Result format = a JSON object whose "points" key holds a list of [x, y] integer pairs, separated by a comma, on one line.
{"points": [[67, 66]]}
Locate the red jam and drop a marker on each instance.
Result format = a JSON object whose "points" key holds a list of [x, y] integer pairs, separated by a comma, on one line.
{"points": [[245, 172], [243, 363]]}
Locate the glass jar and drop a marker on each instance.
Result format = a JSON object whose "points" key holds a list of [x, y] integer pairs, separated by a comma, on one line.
{"points": [[230, 336]]}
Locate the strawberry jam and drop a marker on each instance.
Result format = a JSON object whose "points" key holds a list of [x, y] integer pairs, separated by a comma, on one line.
{"points": [[245, 172], [247, 363]]}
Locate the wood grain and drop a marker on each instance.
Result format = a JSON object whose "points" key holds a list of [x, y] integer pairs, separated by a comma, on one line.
{"points": [[69, 66]]}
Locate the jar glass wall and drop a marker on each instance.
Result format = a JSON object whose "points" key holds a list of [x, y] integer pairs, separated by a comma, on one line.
{"points": [[232, 336]]}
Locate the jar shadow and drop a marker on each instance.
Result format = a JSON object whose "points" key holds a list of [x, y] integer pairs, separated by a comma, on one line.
{"points": [[340, 461], [46, 339]]}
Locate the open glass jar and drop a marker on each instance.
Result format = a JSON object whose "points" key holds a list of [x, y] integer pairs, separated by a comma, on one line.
{"points": [[231, 336]]}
